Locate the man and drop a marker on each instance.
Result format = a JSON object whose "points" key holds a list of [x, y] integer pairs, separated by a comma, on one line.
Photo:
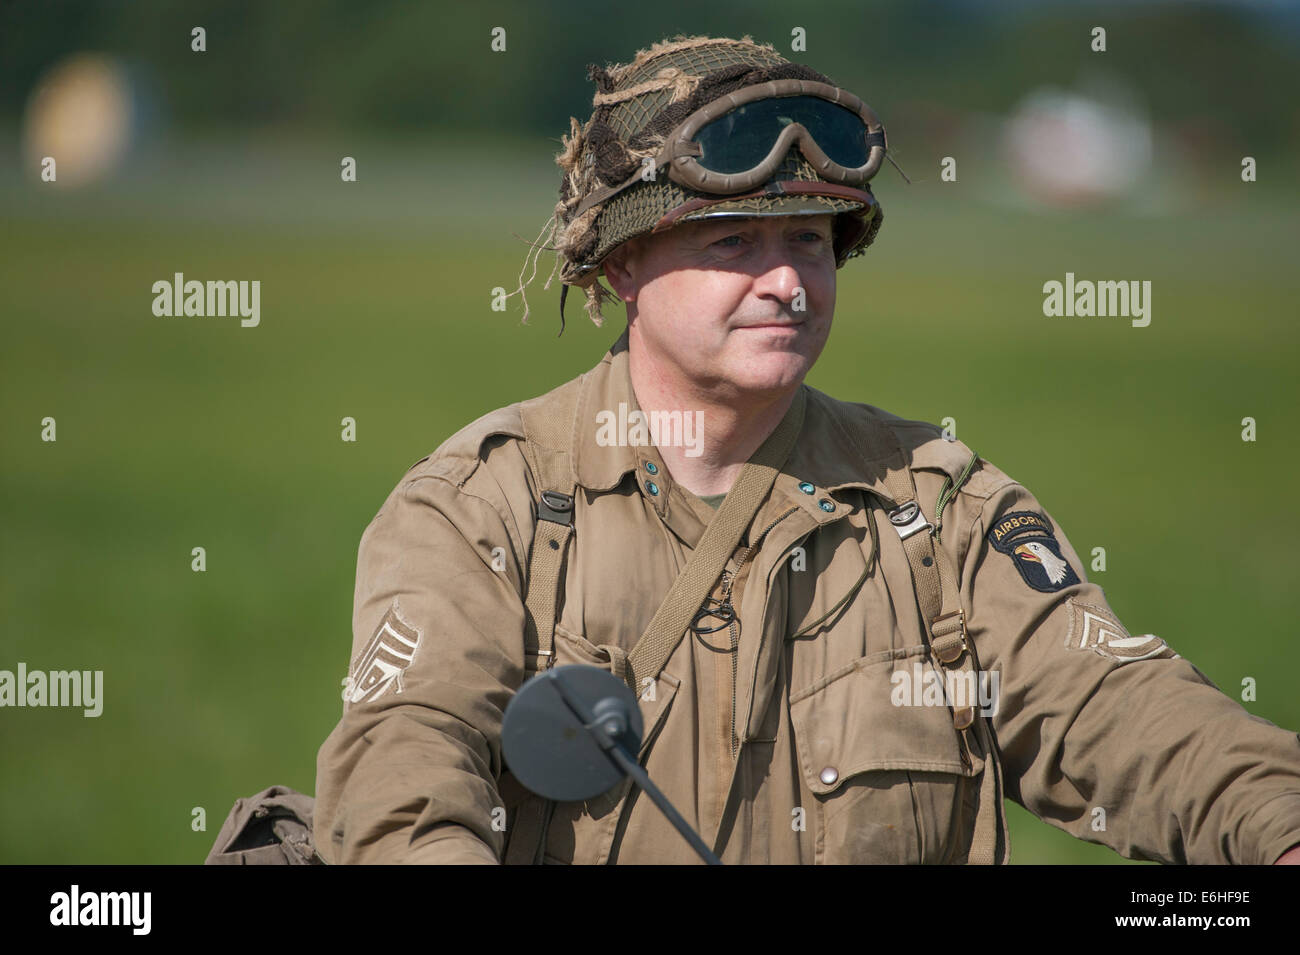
{"points": [[892, 634]]}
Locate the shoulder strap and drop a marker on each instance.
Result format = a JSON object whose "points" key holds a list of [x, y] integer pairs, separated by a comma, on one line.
{"points": [[548, 424], [939, 599], [548, 430]]}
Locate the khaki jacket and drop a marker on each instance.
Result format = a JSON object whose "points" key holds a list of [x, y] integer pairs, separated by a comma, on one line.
{"points": [[825, 736]]}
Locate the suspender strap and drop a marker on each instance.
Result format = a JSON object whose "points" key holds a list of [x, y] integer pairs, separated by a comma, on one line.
{"points": [[714, 549], [548, 436], [527, 843], [939, 600]]}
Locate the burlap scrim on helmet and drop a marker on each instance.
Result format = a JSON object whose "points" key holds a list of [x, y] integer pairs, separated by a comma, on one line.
{"points": [[636, 106]]}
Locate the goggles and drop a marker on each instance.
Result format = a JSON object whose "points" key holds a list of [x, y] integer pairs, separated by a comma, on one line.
{"points": [[737, 142]]}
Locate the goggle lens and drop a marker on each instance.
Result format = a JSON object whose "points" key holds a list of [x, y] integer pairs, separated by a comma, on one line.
{"points": [[739, 140]]}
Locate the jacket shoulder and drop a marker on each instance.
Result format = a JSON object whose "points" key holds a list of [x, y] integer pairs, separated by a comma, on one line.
{"points": [[456, 459], [925, 445]]}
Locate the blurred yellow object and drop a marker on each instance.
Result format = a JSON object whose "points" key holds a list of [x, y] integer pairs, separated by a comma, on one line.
{"points": [[80, 114]]}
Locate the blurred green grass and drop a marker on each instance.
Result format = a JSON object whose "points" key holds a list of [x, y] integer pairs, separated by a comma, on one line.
{"points": [[182, 432]]}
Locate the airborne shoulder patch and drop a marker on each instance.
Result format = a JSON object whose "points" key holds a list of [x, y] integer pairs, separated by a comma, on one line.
{"points": [[1096, 629], [1029, 540], [385, 658]]}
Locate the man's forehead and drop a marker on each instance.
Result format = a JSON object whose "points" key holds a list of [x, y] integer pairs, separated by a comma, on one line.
{"points": [[772, 222], [693, 228]]}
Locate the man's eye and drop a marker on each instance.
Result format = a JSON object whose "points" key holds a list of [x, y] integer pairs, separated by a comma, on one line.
{"points": [[726, 242]]}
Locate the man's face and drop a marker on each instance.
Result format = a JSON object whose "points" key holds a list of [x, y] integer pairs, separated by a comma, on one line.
{"points": [[737, 306]]}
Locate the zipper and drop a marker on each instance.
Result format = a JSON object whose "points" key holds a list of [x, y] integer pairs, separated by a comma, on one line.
{"points": [[963, 747], [729, 579], [735, 653], [762, 619], [726, 607]]}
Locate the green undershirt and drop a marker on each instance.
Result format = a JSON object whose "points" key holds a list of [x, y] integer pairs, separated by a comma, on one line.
{"points": [[713, 500]]}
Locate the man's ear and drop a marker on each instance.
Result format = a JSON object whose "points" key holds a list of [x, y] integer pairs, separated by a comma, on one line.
{"points": [[617, 272]]}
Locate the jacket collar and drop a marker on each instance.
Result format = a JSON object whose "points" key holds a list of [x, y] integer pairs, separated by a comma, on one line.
{"points": [[840, 445]]}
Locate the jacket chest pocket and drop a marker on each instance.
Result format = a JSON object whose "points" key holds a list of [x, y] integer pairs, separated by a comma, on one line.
{"points": [[584, 832], [892, 781]]}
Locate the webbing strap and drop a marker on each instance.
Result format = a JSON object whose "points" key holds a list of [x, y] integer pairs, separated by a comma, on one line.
{"points": [[948, 641], [548, 432], [939, 599], [714, 549], [525, 845]]}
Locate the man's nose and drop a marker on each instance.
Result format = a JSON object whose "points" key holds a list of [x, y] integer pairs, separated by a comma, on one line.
{"points": [[778, 273]]}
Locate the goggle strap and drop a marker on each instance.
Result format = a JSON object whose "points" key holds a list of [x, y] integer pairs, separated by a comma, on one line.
{"points": [[662, 160], [600, 195], [605, 192]]}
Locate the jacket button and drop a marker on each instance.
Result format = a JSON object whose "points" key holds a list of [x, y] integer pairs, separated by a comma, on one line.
{"points": [[825, 505], [806, 487], [650, 466], [829, 775], [652, 487]]}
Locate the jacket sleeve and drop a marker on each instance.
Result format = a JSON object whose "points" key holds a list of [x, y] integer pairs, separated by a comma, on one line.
{"points": [[1110, 736], [409, 773]]}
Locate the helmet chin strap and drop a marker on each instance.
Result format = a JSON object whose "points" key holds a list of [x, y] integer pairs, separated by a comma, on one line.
{"points": [[899, 168]]}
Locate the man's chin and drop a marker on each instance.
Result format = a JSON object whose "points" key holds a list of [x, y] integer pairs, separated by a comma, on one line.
{"points": [[771, 372]]}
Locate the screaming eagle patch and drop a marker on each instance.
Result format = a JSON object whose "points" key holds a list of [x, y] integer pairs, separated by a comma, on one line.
{"points": [[382, 663], [1028, 539]]}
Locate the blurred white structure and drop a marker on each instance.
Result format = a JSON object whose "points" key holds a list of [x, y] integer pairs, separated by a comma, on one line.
{"points": [[1071, 149]]}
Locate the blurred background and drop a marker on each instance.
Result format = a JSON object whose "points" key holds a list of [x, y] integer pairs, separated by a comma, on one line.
{"points": [[376, 305]]}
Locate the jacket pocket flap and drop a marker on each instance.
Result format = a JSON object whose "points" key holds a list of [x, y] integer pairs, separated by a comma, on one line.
{"points": [[854, 722], [654, 699]]}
